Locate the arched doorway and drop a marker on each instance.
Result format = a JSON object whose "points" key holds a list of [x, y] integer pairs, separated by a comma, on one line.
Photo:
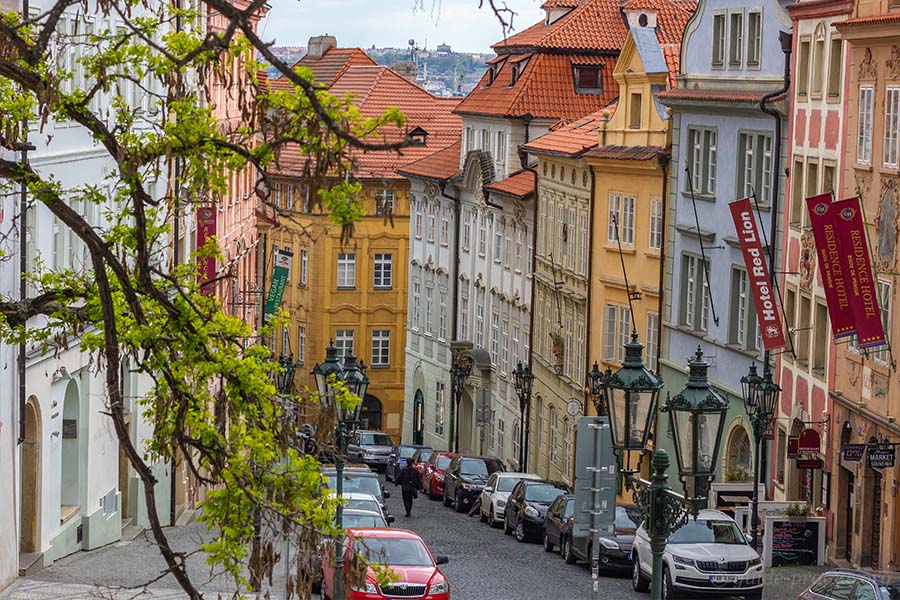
{"points": [[739, 456], [419, 418], [370, 413], [31, 478], [466, 421], [70, 473], [846, 499]]}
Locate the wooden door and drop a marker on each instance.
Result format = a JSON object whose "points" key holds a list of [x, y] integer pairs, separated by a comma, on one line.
{"points": [[31, 456], [876, 520], [848, 541]]}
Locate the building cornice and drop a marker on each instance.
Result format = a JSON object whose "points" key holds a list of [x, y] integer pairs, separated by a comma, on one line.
{"points": [[819, 9]]}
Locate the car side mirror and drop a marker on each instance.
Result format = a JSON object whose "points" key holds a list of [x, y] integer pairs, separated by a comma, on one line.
{"points": [[391, 519], [441, 560], [387, 494], [392, 456], [489, 490]]}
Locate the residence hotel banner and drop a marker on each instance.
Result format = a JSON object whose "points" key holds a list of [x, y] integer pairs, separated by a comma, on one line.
{"points": [[831, 266], [764, 296]]}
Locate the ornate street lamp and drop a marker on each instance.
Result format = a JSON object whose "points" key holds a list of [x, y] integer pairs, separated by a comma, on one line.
{"points": [[629, 396], [356, 383], [595, 379], [760, 399], [459, 372], [331, 366], [524, 379]]}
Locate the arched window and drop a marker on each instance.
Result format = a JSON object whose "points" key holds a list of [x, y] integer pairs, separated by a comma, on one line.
{"points": [[739, 457]]}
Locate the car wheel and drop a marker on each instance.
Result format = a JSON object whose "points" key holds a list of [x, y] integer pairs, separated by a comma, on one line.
{"points": [[458, 504], [492, 520], [446, 498], [567, 553], [548, 546], [753, 596], [668, 592], [638, 581], [520, 532], [506, 528]]}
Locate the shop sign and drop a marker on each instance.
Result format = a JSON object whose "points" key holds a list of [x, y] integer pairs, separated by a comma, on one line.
{"points": [[792, 447], [853, 452], [809, 442], [880, 457], [769, 431], [809, 463]]}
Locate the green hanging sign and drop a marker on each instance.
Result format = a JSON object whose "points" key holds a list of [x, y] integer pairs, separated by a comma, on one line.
{"points": [[281, 272]]}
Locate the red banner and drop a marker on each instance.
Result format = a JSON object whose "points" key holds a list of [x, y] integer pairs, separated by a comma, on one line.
{"points": [[831, 266], [851, 233], [764, 296], [206, 265]]}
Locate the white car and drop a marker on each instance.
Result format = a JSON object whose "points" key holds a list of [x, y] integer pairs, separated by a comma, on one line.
{"points": [[495, 493], [360, 501], [708, 556]]}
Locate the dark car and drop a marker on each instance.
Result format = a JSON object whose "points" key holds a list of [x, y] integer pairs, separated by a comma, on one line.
{"points": [[465, 478], [356, 480], [527, 506], [558, 521], [433, 479], [842, 584], [370, 448], [420, 460], [397, 460], [615, 548]]}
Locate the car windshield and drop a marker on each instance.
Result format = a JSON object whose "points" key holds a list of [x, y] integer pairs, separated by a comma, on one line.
{"points": [[478, 467], [397, 552], [363, 504], [406, 452], [892, 591], [506, 484], [375, 439], [627, 519], [354, 484], [708, 531], [442, 463], [544, 493], [425, 455], [359, 521], [570, 508]]}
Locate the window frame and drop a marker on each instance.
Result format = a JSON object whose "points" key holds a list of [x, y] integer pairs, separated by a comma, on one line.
{"points": [[381, 347], [577, 79], [346, 264], [383, 269], [702, 143], [890, 150], [757, 62], [735, 46], [864, 124], [719, 42]]}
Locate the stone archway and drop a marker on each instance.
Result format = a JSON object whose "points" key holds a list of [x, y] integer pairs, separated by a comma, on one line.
{"points": [[370, 413], [30, 522], [418, 430], [71, 476], [739, 455]]}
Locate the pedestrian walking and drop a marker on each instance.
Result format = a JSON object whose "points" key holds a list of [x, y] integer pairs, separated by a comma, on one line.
{"points": [[411, 482]]}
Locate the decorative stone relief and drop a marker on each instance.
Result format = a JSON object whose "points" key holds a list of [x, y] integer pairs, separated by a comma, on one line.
{"points": [[893, 63], [559, 350], [867, 69], [887, 225], [853, 374], [863, 182], [807, 254]]}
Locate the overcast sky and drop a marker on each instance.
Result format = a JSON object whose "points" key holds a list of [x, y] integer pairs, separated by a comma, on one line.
{"points": [[391, 23]]}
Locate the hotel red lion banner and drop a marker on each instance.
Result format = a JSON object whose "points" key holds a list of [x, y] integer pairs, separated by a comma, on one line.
{"points": [[831, 265], [758, 274], [855, 256], [206, 228]]}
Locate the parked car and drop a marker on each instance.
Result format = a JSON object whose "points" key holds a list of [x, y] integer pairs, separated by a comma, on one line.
{"points": [[465, 478], [370, 448], [420, 460], [527, 506], [615, 549], [354, 518], [843, 584], [357, 500], [433, 479], [397, 460], [495, 494], [402, 552], [357, 480], [708, 556], [558, 521]]}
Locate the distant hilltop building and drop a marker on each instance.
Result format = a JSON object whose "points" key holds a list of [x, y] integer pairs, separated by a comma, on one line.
{"points": [[444, 50]]}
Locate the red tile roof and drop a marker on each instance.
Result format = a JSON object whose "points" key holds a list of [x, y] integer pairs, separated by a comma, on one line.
{"points": [[439, 166], [560, 4], [571, 139], [702, 95], [672, 54], [626, 152], [329, 67], [864, 21], [518, 185]]}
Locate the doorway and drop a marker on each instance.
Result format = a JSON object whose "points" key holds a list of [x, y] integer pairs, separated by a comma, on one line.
{"points": [[370, 413], [419, 418], [876, 519], [124, 477], [466, 420], [848, 517], [31, 472]]}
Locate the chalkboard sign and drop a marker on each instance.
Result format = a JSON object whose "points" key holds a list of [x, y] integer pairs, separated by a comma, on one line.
{"points": [[795, 543], [70, 429]]}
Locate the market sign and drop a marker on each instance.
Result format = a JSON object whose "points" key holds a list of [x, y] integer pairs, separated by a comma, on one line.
{"points": [[853, 452], [881, 457], [809, 442], [792, 447], [280, 274], [809, 463]]}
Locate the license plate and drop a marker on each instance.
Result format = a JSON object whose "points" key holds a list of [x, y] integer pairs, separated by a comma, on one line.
{"points": [[723, 578], [628, 555]]}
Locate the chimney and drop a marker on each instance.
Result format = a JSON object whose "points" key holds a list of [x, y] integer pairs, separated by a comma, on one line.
{"points": [[320, 44], [407, 69]]}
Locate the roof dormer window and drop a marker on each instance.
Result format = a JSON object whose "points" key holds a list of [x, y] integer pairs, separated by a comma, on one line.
{"points": [[417, 136], [588, 79]]}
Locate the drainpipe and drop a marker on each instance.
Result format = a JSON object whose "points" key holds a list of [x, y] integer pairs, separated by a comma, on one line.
{"points": [[590, 279], [454, 283], [786, 45], [523, 158], [663, 160]]}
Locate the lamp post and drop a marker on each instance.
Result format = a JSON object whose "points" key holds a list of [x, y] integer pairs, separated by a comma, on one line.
{"points": [[760, 398], [357, 383], [524, 379], [459, 372], [630, 395], [595, 388]]}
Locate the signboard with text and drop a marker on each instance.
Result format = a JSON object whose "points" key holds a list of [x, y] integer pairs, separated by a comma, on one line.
{"points": [[809, 442], [881, 457], [831, 268], [281, 272], [853, 452]]}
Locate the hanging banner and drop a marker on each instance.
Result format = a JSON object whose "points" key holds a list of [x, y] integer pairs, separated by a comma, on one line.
{"points": [[834, 277], [764, 296], [206, 265], [281, 272], [809, 442], [851, 232]]}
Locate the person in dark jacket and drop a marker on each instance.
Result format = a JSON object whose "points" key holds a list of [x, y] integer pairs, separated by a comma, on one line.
{"points": [[411, 482]]}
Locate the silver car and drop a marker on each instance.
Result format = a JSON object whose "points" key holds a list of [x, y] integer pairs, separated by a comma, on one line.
{"points": [[495, 494], [372, 448]]}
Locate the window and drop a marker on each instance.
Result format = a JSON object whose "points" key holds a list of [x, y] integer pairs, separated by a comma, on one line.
{"points": [[384, 202], [346, 270], [570, 239], [652, 340], [383, 271], [498, 242], [429, 228], [301, 344], [718, 43], [439, 408], [276, 195], [634, 116], [510, 231], [501, 435], [828, 178], [835, 60], [812, 178], [515, 345], [702, 160], [882, 355], [694, 297], [445, 227], [286, 341], [500, 153], [891, 125], [464, 316], [656, 223], [504, 346], [741, 330], [782, 455], [803, 68], [520, 243], [542, 226], [822, 339], [470, 138], [610, 323], [588, 80], [304, 267], [381, 347], [790, 301], [755, 166], [495, 338], [482, 234], [625, 327], [429, 300], [864, 135], [466, 231], [417, 293], [442, 315], [754, 37], [343, 341], [479, 318], [621, 209], [817, 63], [517, 434], [797, 200], [802, 344], [736, 39], [582, 241], [486, 140]]}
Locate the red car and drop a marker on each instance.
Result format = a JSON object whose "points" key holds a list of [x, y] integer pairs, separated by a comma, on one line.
{"points": [[420, 461], [405, 554], [433, 480]]}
